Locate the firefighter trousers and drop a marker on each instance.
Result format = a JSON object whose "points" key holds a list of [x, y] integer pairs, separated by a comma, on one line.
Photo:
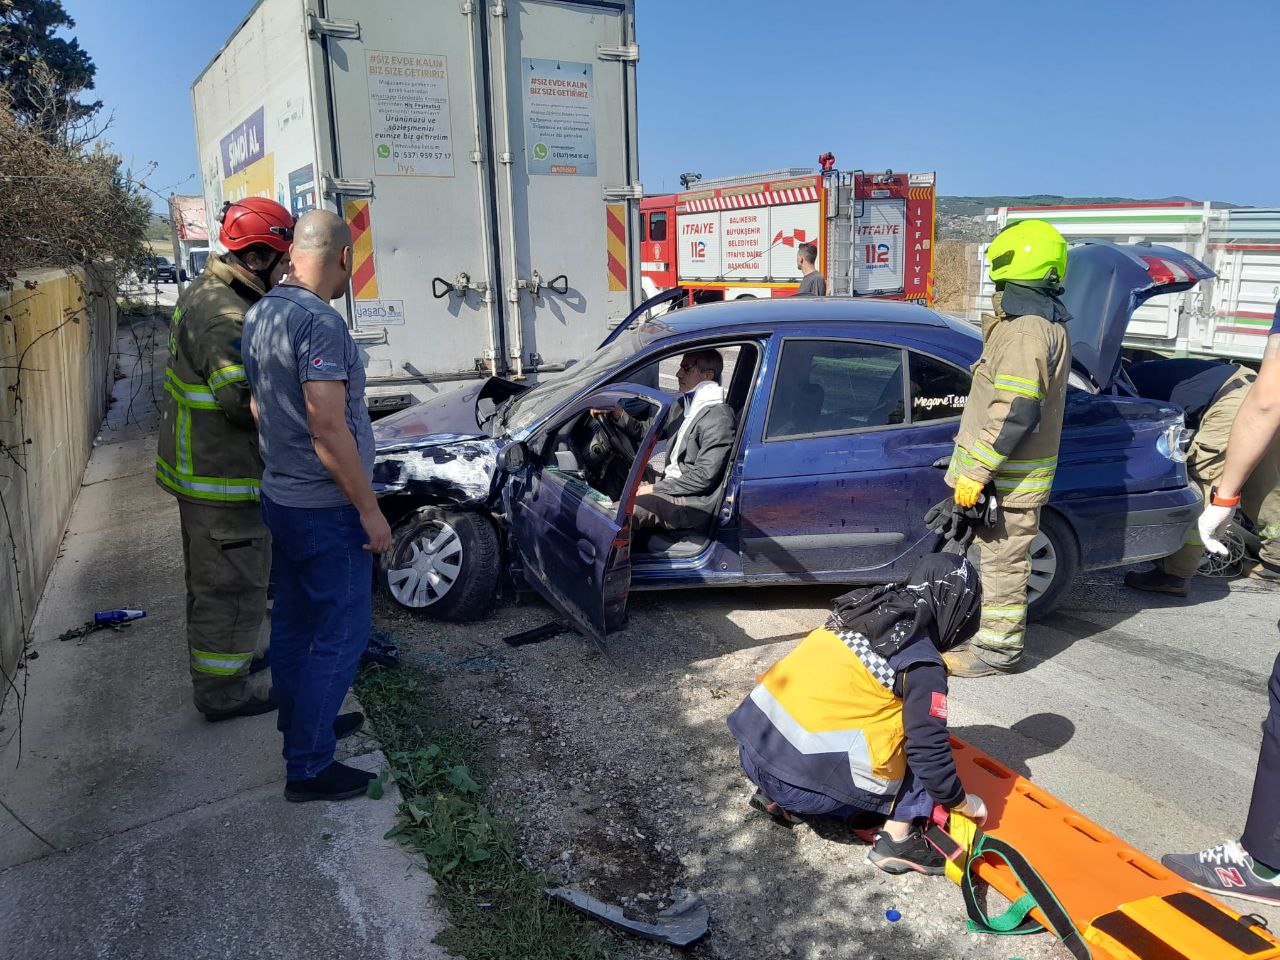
{"points": [[1259, 499], [1005, 565], [227, 554]]}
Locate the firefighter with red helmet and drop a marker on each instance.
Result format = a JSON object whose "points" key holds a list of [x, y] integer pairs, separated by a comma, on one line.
{"points": [[208, 458]]}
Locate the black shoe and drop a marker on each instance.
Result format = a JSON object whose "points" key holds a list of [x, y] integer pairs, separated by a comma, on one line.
{"points": [[261, 663], [251, 709], [1156, 580], [347, 723], [784, 818], [337, 781], [914, 854]]}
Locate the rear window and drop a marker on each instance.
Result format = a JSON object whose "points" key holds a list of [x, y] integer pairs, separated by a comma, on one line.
{"points": [[828, 386]]}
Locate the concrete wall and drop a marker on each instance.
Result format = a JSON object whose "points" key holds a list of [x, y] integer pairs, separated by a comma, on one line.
{"points": [[49, 413]]}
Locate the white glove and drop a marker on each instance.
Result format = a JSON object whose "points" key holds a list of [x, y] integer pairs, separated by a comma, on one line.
{"points": [[973, 808], [1213, 521]]}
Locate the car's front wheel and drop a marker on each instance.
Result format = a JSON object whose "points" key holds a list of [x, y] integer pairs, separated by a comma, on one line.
{"points": [[444, 563], [1055, 559]]}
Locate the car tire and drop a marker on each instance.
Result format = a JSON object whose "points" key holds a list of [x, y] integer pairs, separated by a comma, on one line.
{"points": [[1055, 555], [434, 547]]}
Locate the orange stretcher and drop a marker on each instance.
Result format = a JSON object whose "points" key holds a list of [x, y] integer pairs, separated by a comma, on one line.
{"points": [[1123, 905]]}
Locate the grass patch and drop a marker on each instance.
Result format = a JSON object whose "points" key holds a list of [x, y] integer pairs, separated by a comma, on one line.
{"points": [[496, 907]]}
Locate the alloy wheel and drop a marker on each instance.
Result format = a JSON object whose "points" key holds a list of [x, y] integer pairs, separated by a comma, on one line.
{"points": [[427, 566]]}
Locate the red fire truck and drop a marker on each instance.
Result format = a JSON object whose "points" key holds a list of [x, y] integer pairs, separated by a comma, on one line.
{"points": [[736, 238]]}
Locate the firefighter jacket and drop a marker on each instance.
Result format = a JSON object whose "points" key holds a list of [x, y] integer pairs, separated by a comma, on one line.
{"points": [[836, 718], [1012, 421], [208, 450]]}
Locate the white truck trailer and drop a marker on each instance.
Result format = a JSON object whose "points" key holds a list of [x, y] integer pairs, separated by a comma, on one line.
{"points": [[1227, 316], [484, 154]]}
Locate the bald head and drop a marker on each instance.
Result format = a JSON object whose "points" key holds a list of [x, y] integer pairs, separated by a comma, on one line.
{"points": [[320, 235], [321, 253]]}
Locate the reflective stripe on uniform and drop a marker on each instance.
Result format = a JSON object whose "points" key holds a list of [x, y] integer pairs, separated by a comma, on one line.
{"points": [[195, 395], [182, 438], [219, 664], [1019, 385], [231, 374], [1270, 532], [998, 638], [237, 490], [1026, 476], [986, 454], [1017, 612], [173, 331]]}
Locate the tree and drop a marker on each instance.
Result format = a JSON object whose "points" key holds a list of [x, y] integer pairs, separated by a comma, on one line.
{"points": [[43, 73]]}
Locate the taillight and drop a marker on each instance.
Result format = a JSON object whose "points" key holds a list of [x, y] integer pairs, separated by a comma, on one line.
{"points": [[1175, 442], [1165, 271]]}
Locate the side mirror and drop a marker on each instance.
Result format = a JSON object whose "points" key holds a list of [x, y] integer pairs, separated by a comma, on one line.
{"points": [[513, 458]]}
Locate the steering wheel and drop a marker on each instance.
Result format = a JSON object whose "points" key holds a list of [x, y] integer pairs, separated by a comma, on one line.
{"points": [[617, 437]]}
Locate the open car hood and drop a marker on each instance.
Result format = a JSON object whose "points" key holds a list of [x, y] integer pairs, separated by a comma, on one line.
{"points": [[1105, 283], [456, 414]]}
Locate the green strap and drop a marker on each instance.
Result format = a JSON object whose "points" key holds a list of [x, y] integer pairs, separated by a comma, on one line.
{"points": [[1009, 921]]}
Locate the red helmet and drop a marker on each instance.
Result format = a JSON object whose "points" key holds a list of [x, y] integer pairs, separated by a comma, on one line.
{"points": [[255, 220]]}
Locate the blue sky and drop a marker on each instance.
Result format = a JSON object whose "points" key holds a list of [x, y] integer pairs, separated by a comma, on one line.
{"points": [[1093, 97]]}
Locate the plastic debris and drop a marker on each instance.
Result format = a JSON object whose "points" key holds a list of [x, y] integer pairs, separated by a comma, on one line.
{"points": [[892, 915], [678, 925], [106, 618]]}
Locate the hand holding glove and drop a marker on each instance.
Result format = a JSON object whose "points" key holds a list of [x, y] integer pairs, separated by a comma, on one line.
{"points": [[973, 808], [1213, 524], [967, 491]]}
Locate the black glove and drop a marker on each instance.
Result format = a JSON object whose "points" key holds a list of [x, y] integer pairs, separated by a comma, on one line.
{"points": [[956, 525]]}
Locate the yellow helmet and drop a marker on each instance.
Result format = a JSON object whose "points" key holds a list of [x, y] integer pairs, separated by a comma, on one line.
{"points": [[1030, 251]]}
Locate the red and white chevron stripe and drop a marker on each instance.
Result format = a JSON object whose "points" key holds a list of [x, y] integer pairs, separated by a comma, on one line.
{"points": [[765, 198]]}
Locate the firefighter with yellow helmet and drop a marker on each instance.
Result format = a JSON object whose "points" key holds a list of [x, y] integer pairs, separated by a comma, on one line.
{"points": [[208, 458], [1007, 445]]}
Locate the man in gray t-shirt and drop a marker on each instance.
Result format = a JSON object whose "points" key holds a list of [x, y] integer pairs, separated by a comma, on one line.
{"points": [[317, 501], [812, 282], [296, 337]]}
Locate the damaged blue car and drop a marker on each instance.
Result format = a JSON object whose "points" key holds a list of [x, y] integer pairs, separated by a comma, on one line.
{"points": [[846, 412]]}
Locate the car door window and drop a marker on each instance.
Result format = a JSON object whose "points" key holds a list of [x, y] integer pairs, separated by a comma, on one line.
{"points": [[834, 386], [657, 226], [938, 390]]}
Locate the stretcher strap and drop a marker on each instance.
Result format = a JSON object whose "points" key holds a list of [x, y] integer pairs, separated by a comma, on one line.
{"points": [[1016, 919]]}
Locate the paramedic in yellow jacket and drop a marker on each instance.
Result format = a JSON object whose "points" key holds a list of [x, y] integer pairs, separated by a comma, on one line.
{"points": [[852, 723], [1009, 432]]}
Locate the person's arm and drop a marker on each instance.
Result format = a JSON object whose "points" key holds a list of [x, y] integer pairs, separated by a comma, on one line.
{"points": [[924, 721], [220, 364], [335, 445], [715, 438], [1257, 426]]}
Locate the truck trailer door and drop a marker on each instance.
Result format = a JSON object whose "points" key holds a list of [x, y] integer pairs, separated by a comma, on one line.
{"points": [[563, 82], [406, 156]]}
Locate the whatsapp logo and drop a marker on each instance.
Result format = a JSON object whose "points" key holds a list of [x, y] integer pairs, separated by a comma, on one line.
{"points": [[384, 151], [540, 151]]}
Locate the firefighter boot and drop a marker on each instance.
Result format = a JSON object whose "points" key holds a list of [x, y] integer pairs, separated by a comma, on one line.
{"points": [[1156, 580]]}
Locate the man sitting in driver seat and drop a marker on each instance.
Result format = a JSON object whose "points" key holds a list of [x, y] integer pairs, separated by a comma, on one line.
{"points": [[701, 431]]}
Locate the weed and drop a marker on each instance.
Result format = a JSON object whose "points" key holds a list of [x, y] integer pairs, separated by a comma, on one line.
{"points": [[497, 908]]}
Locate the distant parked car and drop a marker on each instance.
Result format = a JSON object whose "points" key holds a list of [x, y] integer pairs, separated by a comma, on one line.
{"points": [[847, 414], [158, 270]]}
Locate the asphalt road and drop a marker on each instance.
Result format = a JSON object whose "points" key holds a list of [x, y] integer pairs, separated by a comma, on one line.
{"points": [[1141, 712]]}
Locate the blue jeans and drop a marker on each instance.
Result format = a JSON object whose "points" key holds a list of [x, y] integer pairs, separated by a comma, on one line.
{"points": [[319, 626], [913, 800]]}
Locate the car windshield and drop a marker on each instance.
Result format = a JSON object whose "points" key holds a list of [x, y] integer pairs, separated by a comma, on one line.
{"points": [[556, 389]]}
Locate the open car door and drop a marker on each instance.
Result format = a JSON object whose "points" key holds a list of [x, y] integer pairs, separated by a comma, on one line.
{"points": [[572, 539]]}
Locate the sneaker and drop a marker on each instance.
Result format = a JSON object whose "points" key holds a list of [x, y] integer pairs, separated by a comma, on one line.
{"points": [[963, 662], [784, 818], [337, 781], [1156, 580], [905, 856], [1226, 869], [251, 709]]}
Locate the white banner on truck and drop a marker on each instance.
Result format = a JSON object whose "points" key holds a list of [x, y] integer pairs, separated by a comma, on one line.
{"points": [[790, 226], [559, 117], [745, 243], [878, 238], [409, 114]]}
